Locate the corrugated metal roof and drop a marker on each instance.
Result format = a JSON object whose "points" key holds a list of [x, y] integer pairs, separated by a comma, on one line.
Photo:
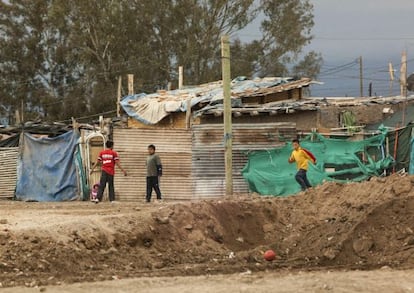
{"points": [[152, 108], [8, 171], [282, 87]]}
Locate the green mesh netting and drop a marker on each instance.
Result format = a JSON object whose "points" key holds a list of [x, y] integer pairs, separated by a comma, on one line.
{"points": [[269, 173]]}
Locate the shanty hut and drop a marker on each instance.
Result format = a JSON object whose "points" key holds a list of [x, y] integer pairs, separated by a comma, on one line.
{"points": [[186, 127]]}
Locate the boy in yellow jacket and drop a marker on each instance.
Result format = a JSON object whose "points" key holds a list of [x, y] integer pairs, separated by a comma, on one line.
{"points": [[301, 157]]}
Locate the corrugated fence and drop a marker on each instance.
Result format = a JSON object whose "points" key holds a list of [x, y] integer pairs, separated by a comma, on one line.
{"points": [[174, 148], [8, 171], [208, 153], [193, 160]]}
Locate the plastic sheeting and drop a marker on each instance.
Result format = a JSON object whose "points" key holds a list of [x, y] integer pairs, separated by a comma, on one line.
{"points": [[269, 173], [46, 168], [399, 147], [152, 108]]}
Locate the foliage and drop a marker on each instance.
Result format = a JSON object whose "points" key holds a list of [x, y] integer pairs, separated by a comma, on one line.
{"points": [[63, 58]]}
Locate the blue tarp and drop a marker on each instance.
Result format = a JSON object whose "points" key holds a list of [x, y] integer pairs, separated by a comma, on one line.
{"points": [[46, 168]]}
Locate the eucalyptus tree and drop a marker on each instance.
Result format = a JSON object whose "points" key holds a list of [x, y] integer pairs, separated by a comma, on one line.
{"points": [[63, 58]]}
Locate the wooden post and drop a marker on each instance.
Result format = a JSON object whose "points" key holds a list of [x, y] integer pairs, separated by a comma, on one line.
{"points": [[403, 74], [75, 125], [391, 71], [228, 137], [22, 116], [118, 98], [361, 81], [130, 84], [180, 77], [403, 84], [17, 117], [188, 114]]}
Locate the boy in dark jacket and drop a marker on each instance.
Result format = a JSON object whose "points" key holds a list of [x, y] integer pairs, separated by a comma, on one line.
{"points": [[154, 170]]}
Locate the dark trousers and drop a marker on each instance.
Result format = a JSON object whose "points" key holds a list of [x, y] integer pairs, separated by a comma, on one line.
{"points": [[152, 183], [106, 178], [302, 179]]}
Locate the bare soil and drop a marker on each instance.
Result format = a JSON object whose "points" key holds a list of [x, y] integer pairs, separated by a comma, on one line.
{"points": [[333, 227], [384, 280]]}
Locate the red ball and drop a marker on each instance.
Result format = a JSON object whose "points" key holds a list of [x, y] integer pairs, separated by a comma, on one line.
{"points": [[269, 255]]}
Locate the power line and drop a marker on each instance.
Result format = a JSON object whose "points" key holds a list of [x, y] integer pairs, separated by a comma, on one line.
{"points": [[334, 38], [89, 116], [339, 68]]}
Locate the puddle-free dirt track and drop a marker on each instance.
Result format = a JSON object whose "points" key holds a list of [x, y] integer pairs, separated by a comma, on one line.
{"points": [[331, 228]]}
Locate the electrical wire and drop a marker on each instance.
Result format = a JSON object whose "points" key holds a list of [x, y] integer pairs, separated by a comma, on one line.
{"points": [[88, 116]]}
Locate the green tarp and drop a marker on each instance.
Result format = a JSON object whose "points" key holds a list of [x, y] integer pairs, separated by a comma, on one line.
{"points": [[399, 142], [269, 173]]}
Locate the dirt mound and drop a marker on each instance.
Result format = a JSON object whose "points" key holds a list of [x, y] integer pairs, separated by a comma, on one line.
{"points": [[357, 225]]}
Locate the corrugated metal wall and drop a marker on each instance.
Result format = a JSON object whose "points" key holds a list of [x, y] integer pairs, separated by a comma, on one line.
{"points": [[8, 171], [193, 161], [174, 148], [208, 153]]}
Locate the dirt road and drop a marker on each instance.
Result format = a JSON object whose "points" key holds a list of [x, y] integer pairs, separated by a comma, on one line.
{"points": [[384, 280], [332, 227]]}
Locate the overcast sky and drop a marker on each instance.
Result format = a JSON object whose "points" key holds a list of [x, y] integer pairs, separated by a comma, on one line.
{"points": [[377, 30]]}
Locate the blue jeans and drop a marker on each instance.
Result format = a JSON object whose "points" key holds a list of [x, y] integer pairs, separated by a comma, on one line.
{"points": [[302, 179]]}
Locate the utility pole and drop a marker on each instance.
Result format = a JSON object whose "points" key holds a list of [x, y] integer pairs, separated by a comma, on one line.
{"points": [[118, 98], [361, 82], [228, 137]]}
